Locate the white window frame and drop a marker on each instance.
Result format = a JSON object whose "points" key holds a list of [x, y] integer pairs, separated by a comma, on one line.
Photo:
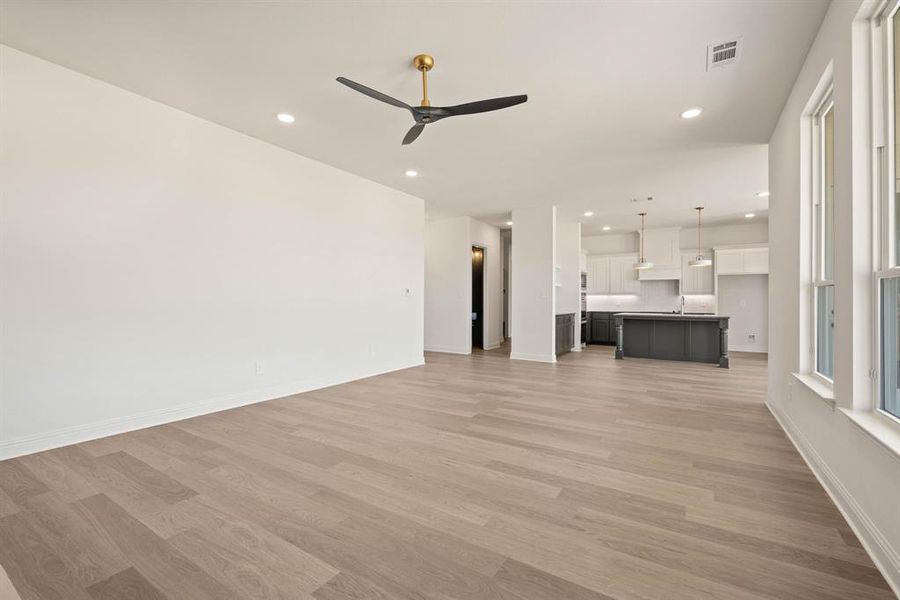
{"points": [[884, 188], [817, 279]]}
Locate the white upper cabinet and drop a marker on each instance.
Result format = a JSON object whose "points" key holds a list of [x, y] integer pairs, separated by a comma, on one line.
{"points": [[622, 275], [612, 274], [750, 260], [696, 280], [662, 247], [597, 274]]}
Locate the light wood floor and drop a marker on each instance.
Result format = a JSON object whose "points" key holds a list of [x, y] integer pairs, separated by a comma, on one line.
{"points": [[470, 477]]}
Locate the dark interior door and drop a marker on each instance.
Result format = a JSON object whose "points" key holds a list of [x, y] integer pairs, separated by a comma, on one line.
{"points": [[477, 297]]}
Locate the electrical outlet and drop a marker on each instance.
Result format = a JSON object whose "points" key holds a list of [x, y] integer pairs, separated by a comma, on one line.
{"points": [[260, 367], [752, 337], [407, 292]]}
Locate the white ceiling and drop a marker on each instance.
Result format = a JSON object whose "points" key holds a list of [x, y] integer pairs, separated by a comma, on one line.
{"points": [[606, 83]]}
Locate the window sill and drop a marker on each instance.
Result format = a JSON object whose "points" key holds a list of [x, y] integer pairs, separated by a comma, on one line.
{"points": [[877, 427], [821, 389]]}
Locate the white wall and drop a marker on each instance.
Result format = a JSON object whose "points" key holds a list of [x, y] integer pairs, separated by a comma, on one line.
{"points": [[568, 258], [745, 298], [533, 310], [617, 243], [861, 475], [448, 284], [724, 235], [151, 261]]}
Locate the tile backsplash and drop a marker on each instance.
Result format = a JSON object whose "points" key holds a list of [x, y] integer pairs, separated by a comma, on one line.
{"points": [[657, 296]]}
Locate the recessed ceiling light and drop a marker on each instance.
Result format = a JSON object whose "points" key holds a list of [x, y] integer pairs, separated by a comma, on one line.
{"points": [[589, 213], [691, 113], [411, 173], [762, 195], [606, 228], [286, 117], [509, 223], [749, 215]]}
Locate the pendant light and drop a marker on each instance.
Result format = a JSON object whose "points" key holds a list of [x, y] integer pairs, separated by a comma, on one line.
{"points": [[700, 260], [642, 263]]}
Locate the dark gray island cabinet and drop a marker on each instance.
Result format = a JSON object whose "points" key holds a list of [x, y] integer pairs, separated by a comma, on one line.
{"points": [[565, 333], [672, 336]]}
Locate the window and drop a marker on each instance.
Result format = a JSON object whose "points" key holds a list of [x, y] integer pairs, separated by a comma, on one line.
{"points": [[888, 231], [890, 340], [823, 239]]}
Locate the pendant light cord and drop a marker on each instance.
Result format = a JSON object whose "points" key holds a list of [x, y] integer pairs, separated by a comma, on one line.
{"points": [[699, 228], [642, 236]]}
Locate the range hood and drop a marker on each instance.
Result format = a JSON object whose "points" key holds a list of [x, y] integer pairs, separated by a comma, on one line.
{"points": [[660, 273], [662, 247]]}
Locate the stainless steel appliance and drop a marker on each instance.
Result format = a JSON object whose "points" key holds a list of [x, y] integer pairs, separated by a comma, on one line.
{"points": [[584, 322], [583, 292]]}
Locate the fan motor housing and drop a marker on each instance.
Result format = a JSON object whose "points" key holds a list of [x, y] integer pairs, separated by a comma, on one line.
{"points": [[424, 62]]}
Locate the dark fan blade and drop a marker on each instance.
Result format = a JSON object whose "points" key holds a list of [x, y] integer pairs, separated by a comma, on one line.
{"points": [[413, 133], [484, 105], [373, 93]]}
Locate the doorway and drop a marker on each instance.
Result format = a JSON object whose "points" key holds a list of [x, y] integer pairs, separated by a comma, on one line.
{"points": [[477, 297], [505, 252]]}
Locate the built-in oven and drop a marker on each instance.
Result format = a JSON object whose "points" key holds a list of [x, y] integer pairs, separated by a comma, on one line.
{"points": [[583, 293]]}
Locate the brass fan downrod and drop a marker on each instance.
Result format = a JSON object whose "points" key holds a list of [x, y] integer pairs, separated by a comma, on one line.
{"points": [[424, 63]]}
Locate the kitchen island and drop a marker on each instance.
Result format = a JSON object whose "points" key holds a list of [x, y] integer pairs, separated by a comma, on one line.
{"points": [[673, 336]]}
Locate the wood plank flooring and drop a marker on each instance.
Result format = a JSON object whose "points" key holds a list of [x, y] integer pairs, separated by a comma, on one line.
{"points": [[472, 477]]}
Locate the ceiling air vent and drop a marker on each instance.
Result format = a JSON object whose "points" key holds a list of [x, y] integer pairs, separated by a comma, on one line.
{"points": [[722, 54]]}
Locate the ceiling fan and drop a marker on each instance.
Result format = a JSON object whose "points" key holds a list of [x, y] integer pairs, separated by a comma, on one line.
{"points": [[425, 113]]}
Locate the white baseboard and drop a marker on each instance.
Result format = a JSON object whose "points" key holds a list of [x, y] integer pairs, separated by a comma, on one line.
{"points": [[885, 557], [545, 358], [448, 349], [91, 431], [754, 349]]}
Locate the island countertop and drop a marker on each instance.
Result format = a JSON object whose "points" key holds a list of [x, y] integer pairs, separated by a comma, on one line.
{"points": [[670, 316]]}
